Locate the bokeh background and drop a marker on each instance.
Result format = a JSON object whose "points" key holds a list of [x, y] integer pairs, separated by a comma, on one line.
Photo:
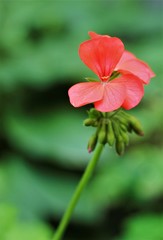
{"points": [[42, 139]]}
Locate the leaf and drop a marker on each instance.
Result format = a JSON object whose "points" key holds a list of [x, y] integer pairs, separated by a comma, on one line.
{"points": [[58, 136], [137, 174], [11, 228], [29, 231], [143, 227], [8, 216], [42, 194]]}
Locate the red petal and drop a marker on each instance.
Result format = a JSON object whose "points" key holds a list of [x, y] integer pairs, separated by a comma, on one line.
{"points": [[151, 73], [125, 57], [84, 93], [113, 97], [130, 64], [101, 54], [134, 90], [95, 35]]}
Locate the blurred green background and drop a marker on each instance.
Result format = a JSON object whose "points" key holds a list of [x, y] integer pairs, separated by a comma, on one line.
{"points": [[42, 139]]}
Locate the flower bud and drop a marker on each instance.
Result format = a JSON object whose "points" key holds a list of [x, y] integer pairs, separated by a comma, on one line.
{"points": [[115, 126], [110, 134], [92, 143], [119, 145], [93, 113], [102, 133], [89, 122], [121, 119], [123, 127], [136, 126], [124, 121], [124, 136]]}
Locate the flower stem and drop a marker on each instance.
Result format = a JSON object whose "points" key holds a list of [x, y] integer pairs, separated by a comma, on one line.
{"points": [[83, 182]]}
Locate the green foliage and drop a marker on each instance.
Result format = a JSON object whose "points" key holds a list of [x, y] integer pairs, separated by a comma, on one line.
{"points": [[47, 134], [44, 193], [42, 140], [139, 178], [13, 229], [144, 227]]}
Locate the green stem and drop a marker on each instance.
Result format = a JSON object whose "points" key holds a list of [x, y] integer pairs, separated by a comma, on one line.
{"points": [[84, 180]]}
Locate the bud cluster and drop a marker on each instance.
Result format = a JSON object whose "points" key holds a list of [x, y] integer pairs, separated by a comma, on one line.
{"points": [[112, 128]]}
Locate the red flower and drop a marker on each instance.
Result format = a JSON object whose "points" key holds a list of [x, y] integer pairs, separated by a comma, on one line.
{"points": [[105, 56]]}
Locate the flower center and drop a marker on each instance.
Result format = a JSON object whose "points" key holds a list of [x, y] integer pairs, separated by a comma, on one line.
{"points": [[105, 78]]}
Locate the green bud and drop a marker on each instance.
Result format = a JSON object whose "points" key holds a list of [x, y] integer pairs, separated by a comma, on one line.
{"points": [[123, 127], [136, 126], [119, 146], [134, 123], [92, 143], [124, 121], [89, 122], [102, 134], [110, 134], [116, 126], [124, 136], [124, 115], [93, 113]]}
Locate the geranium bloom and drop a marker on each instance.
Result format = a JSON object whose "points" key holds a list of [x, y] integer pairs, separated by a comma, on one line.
{"points": [[121, 75]]}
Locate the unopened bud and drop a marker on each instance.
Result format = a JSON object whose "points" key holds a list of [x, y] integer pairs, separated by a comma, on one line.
{"points": [[92, 143], [110, 134], [93, 113], [124, 114], [123, 127], [120, 146], [124, 136], [89, 122], [115, 125], [136, 126], [124, 120], [102, 134]]}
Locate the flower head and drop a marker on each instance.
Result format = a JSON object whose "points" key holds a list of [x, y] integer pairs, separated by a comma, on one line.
{"points": [[107, 58]]}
